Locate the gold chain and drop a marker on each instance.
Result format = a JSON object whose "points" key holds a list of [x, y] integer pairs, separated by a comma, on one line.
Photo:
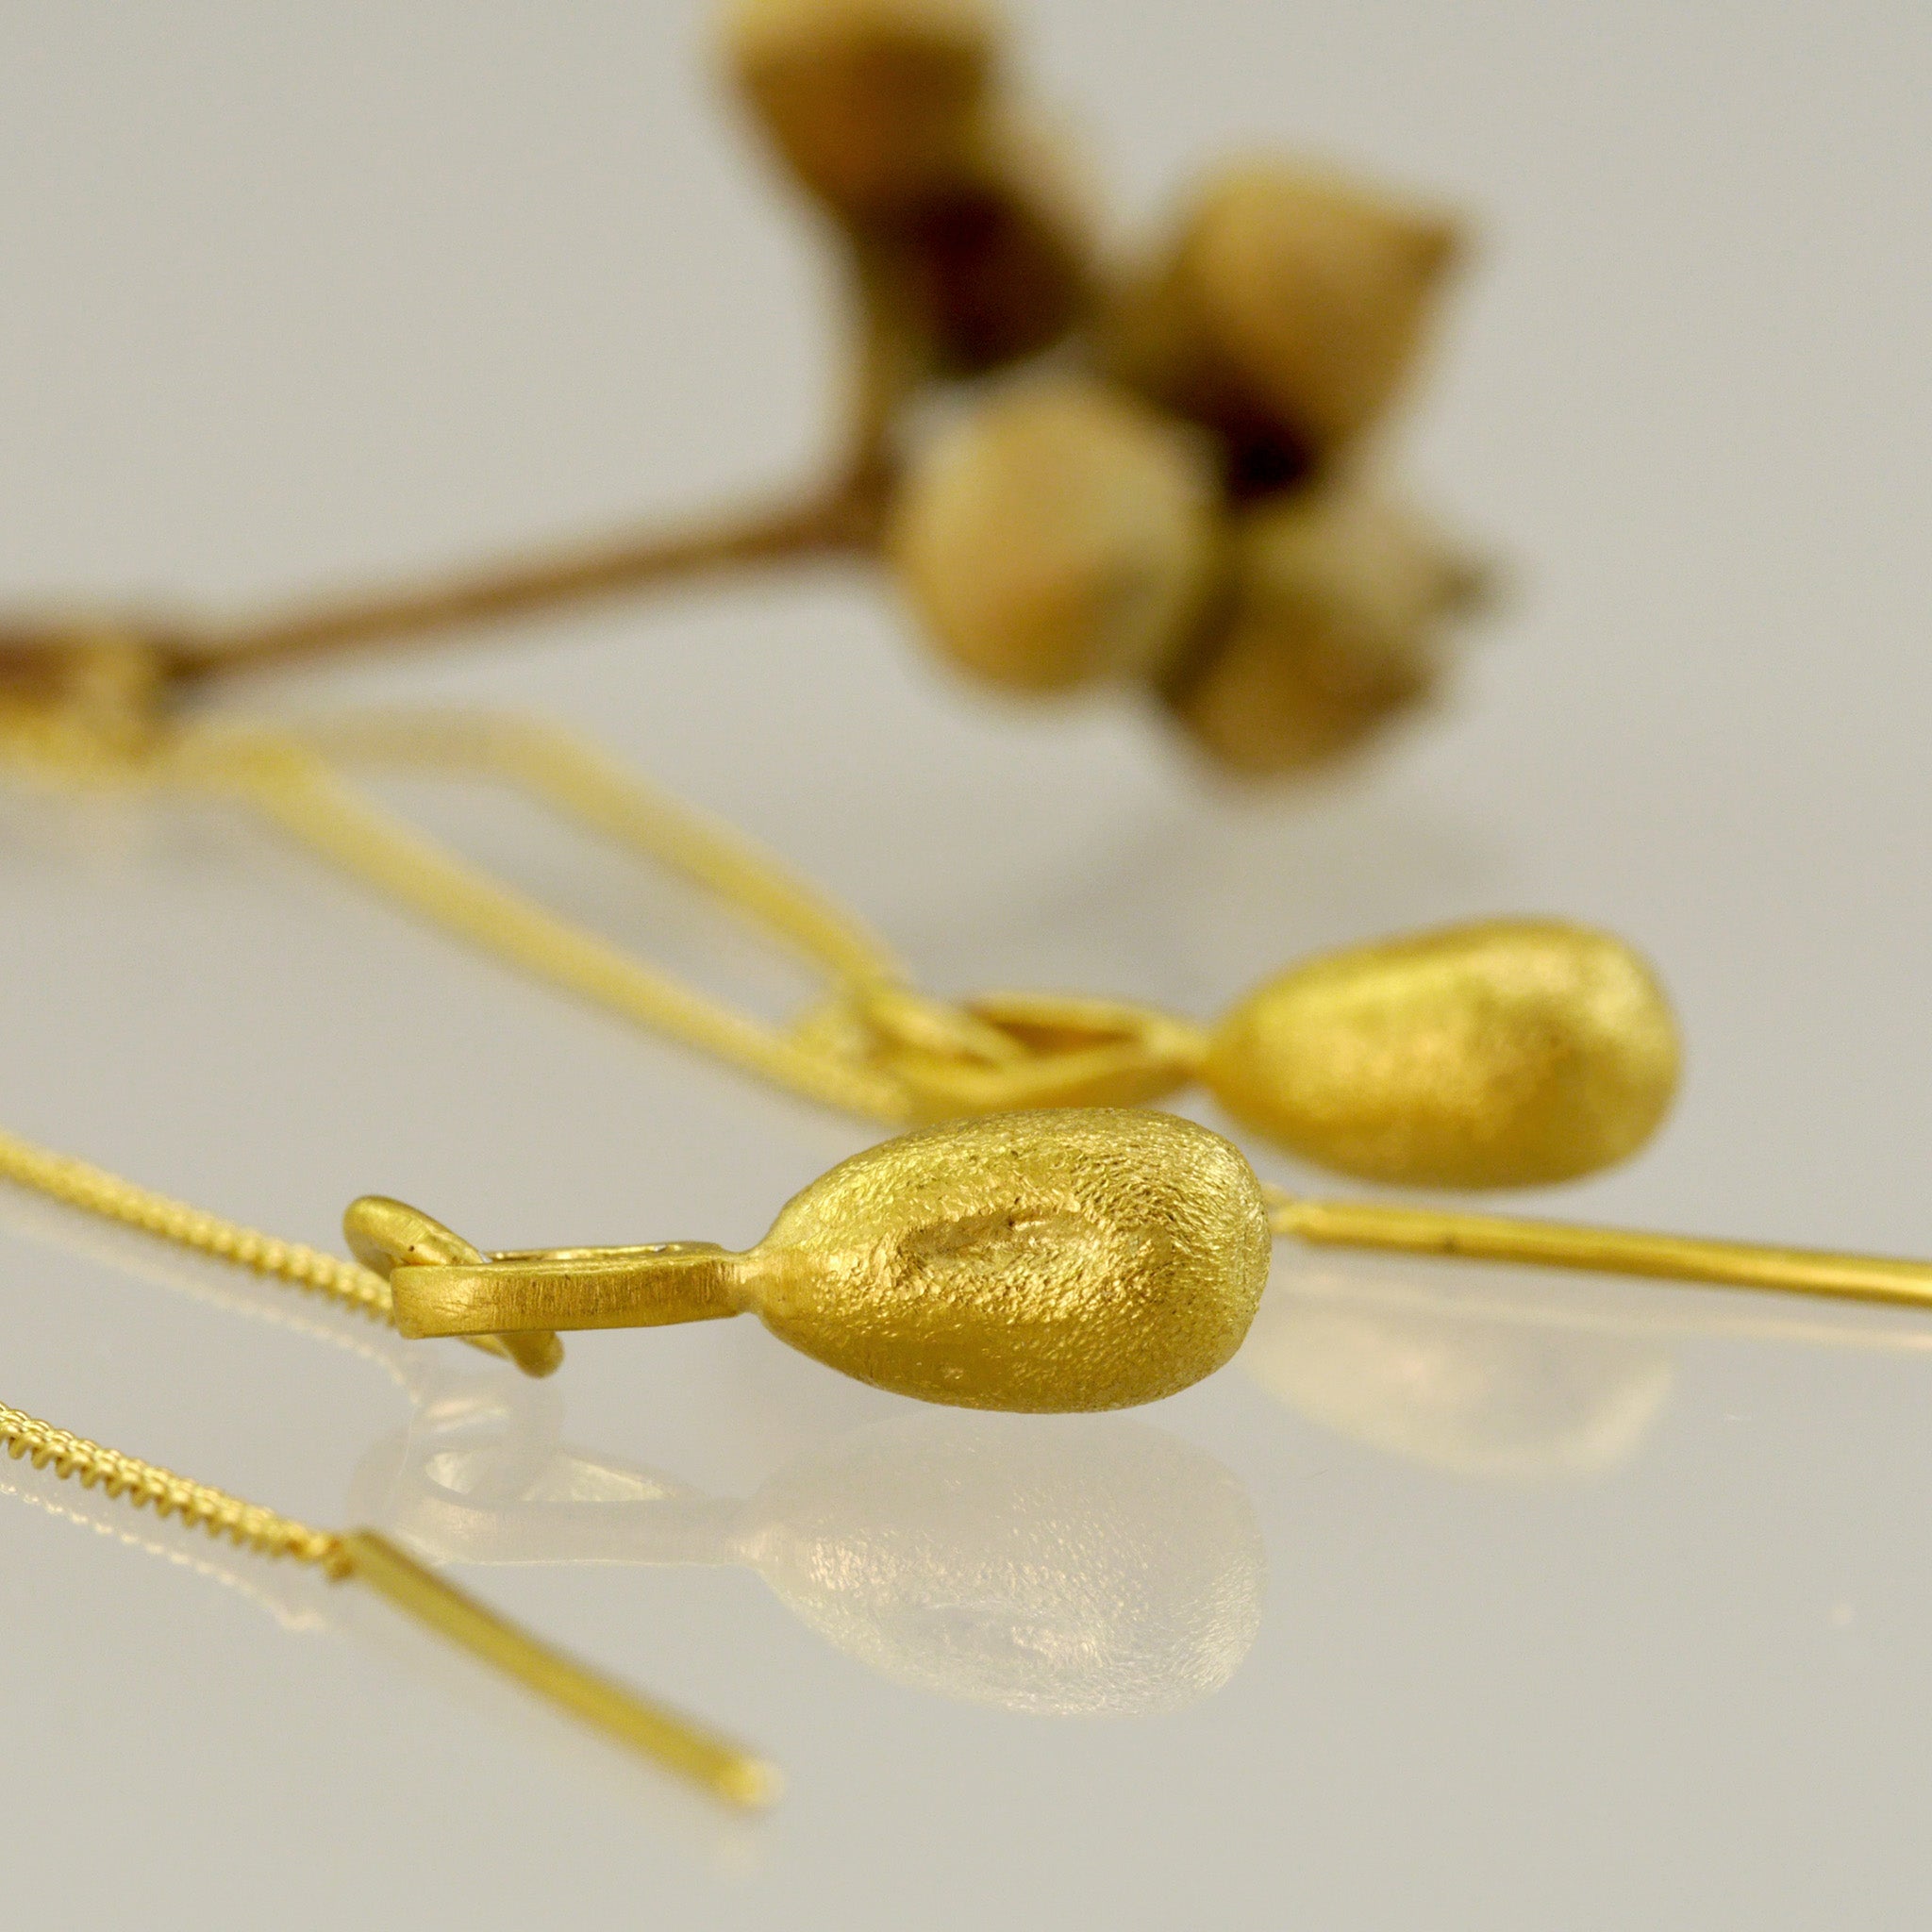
{"points": [[294, 786], [663, 1736], [94, 1191], [872, 1045], [144, 1485]]}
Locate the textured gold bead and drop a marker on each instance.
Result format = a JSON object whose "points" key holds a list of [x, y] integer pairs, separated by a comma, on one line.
{"points": [[1287, 310], [1507, 1053], [872, 102], [1058, 534], [1334, 628], [1088, 1259]]}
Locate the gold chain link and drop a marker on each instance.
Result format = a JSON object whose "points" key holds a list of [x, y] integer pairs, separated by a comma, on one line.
{"points": [[144, 1485], [94, 1191], [872, 1045]]}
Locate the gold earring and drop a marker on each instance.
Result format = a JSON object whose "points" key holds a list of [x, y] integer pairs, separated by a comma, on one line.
{"points": [[1509, 1053], [1078, 1260], [1085, 1260]]}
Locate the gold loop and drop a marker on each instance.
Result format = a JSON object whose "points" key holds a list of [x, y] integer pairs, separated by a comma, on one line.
{"points": [[1015, 1052]]}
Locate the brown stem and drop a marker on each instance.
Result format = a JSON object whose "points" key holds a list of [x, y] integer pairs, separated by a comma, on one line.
{"points": [[844, 518], [41, 661]]}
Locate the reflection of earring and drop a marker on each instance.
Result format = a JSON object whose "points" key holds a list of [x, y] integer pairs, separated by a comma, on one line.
{"points": [[1109, 1568], [1458, 1388], [1081, 1259], [1498, 1379]]}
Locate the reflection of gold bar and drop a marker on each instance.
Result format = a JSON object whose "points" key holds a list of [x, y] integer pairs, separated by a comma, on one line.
{"points": [[1608, 1251], [666, 1738]]}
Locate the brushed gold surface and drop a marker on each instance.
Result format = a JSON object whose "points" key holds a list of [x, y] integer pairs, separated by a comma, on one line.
{"points": [[1505, 1054], [1085, 1260]]}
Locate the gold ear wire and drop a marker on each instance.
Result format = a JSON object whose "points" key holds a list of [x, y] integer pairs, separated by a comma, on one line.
{"points": [[1601, 1250]]}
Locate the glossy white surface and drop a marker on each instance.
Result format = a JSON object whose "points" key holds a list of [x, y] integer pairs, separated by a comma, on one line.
{"points": [[1459, 1602]]}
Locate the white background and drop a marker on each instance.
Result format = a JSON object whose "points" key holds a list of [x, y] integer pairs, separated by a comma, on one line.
{"points": [[1615, 1620]]}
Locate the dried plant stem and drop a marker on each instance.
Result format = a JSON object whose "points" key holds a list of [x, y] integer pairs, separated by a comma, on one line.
{"points": [[844, 518], [846, 515]]}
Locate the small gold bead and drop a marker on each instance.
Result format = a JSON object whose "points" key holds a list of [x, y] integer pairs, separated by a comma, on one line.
{"points": [[1083, 1260], [1058, 534], [874, 103], [1334, 628], [1287, 310], [1506, 1053]]}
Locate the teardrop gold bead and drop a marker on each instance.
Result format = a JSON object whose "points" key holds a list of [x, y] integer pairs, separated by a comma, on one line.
{"points": [[1507, 1053], [1088, 1259], [1058, 534]]}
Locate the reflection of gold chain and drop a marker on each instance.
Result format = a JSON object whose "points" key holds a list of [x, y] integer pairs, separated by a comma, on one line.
{"points": [[289, 1615], [372, 1560]]}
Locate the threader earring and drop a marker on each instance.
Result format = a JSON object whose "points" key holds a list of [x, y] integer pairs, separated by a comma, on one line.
{"points": [[1505, 1053], [1079, 1260], [1091, 1258]]}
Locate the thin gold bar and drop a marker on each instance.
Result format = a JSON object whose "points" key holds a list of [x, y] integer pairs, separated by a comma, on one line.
{"points": [[665, 1738], [545, 1289], [1610, 1251]]}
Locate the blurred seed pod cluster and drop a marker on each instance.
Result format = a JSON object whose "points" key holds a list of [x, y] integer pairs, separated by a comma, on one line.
{"points": [[1170, 481]]}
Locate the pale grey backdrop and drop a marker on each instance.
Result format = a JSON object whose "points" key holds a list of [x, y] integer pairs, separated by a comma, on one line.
{"points": [[1620, 1622]]}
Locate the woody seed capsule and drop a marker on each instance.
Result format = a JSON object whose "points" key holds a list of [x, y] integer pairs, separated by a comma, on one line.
{"points": [[1334, 629], [1058, 534], [994, 263], [874, 103], [1287, 311]]}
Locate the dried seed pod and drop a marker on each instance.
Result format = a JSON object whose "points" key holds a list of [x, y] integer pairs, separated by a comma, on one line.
{"points": [[992, 263], [1334, 628], [874, 103], [1287, 311], [1507, 1053], [1058, 534]]}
